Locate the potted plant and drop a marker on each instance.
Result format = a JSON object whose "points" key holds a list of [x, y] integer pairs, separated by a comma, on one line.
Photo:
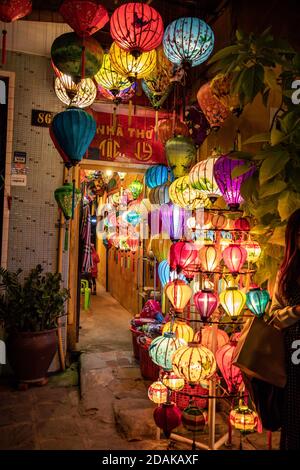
{"points": [[29, 311]]}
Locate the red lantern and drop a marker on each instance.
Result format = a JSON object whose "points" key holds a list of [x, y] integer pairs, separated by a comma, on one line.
{"points": [[84, 16], [137, 28], [133, 243], [242, 224], [206, 303], [167, 417], [231, 373], [182, 254], [234, 257]]}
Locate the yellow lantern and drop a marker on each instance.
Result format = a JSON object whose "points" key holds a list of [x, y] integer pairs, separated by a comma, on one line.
{"points": [[179, 294], [172, 381], [160, 247], [129, 66], [181, 329], [233, 301], [80, 94], [209, 257], [194, 363], [243, 418], [158, 392], [202, 178], [109, 78], [183, 195], [253, 251]]}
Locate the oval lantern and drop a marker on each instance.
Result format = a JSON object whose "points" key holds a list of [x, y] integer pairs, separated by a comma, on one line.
{"points": [[215, 112], [74, 130], [168, 128], [66, 54], [132, 67], [160, 194], [233, 301], [86, 17], [136, 27], [183, 195], [188, 41], [218, 221], [257, 300], [167, 417], [231, 373], [181, 329], [202, 178], [162, 348], [136, 188], [158, 393], [109, 78], [181, 154], [206, 303], [182, 254], [179, 294], [172, 381], [173, 220], [234, 257], [206, 337], [194, 363], [209, 257], [193, 419], [160, 247], [63, 196], [157, 175]]}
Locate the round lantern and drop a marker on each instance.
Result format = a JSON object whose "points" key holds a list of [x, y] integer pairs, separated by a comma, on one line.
{"points": [[242, 224], [172, 381], [194, 363], [182, 194], [220, 87], [80, 95], [168, 128], [167, 417], [257, 300], [253, 250], [230, 372], [173, 220], [109, 79], [218, 221], [230, 187], [160, 194], [182, 254], [193, 419], [179, 294], [158, 393], [243, 418], [202, 178], [209, 257], [162, 349], [181, 154], [136, 188], [136, 27], [86, 17], [215, 112], [66, 54], [206, 337], [233, 301], [135, 67], [160, 247], [158, 175], [234, 257], [206, 303], [198, 124], [188, 41], [181, 329]]}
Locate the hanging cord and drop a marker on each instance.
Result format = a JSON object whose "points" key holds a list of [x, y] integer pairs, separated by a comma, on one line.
{"points": [[4, 34]]}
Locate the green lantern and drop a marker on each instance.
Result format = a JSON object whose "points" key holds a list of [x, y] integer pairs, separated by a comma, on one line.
{"points": [[67, 198], [136, 187], [181, 155], [257, 300]]}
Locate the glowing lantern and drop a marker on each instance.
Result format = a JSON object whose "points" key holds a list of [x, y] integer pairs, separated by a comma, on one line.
{"points": [[162, 349], [136, 188], [157, 85], [158, 175], [242, 224], [253, 250], [243, 418], [81, 95], [86, 17], [172, 218], [172, 381], [194, 363], [193, 419], [234, 257], [129, 66], [164, 272], [188, 41], [206, 303], [136, 27], [230, 187], [230, 372], [179, 294], [158, 393], [215, 112], [206, 337], [182, 194], [181, 154], [168, 128], [67, 198], [220, 87], [257, 300], [219, 221], [233, 301], [121, 97], [160, 194], [160, 247], [202, 178], [209, 257], [133, 244], [167, 417], [109, 79], [181, 329], [182, 254]]}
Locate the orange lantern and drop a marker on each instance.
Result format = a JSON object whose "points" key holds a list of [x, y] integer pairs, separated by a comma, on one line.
{"points": [[209, 258], [215, 112], [179, 294], [206, 337], [168, 128]]}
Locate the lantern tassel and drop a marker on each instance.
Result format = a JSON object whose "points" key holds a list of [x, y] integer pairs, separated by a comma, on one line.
{"points": [[156, 125], [4, 33], [129, 112], [73, 199], [83, 62]]}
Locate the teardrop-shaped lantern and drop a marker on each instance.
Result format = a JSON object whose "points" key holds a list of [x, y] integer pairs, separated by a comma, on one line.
{"points": [[158, 393], [202, 178], [230, 372], [182, 254], [188, 41], [63, 196], [162, 349], [173, 220], [179, 294], [169, 128], [215, 112], [157, 175], [183, 195], [209, 257], [206, 303], [167, 417], [257, 300], [86, 17], [129, 66], [160, 194], [233, 301], [160, 247], [158, 85], [109, 78], [181, 155], [181, 329], [234, 257], [194, 363]]}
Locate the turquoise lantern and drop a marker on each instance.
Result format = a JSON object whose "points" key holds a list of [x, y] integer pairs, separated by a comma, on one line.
{"points": [[162, 349], [257, 300], [158, 175], [188, 42]]}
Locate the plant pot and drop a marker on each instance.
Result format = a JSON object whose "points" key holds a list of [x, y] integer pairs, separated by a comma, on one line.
{"points": [[30, 354]]}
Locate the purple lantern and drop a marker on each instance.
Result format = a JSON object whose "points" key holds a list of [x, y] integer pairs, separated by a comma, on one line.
{"points": [[198, 124], [230, 187], [172, 218]]}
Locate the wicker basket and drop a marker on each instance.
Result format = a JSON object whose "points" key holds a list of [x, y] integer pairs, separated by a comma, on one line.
{"points": [[135, 346], [149, 370], [182, 398]]}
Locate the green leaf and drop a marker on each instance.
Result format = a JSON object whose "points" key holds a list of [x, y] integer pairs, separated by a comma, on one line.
{"points": [[277, 136], [272, 187], [238, 155], [253, 81], [258, 230], [288, 202], [249, 189], [239, 170], [278, 236], [227, 51], [270, 79], [264, 137], [273, 165]]}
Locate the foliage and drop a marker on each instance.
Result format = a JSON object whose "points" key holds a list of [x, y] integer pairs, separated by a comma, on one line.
{"points": [[33, 305]]}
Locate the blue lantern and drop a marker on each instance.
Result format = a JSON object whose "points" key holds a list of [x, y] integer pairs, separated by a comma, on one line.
{"points": [[157, 175], [133, 218], [188, 41], [165, 274], [73, 131], [257, 301]]}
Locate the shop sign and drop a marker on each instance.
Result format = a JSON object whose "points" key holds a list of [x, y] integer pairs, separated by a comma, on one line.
{"points": [[41, 118]]}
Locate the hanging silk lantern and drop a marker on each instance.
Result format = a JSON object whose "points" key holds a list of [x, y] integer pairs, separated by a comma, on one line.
{"points": [[230, 187], [66, 54], [231, 373], [133, 217], [173, 220], [220, 87], [181, 329], [73, 130], [197, 124], [242, 224], [215, 112], [157, 175], [206, 303], [202, 178], [182, 254], [179, 294], [209, 257], [243, 418], [233, 301], [67, 199], [253, 250], [234, 257], [136, 27], [193, 419], [109, 79], [129, 66], [218, 221], [162, 348], [136, 188], [86, 17], [172, 381], [167, 417], [160, 247], [194, 363], [165, 275], [202, 221], [257, 300], [169, 128], [158, 393], [188, 41], [80, 95], [160, 194], [121, 97], [206, 337], [181, 154], [183, 195], [156, 98]]}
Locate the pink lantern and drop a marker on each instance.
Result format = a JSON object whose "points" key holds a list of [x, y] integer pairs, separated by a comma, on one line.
{"points": [[234, 257], [206, 303], [205, 337], [231, 373], [182, 254]]}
